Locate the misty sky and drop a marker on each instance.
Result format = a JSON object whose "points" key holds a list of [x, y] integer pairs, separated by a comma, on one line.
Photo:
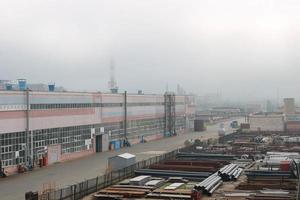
{"points": [[241, 48]]}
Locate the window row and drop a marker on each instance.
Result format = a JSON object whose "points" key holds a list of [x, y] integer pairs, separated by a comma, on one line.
{"points": [[93, 105]]}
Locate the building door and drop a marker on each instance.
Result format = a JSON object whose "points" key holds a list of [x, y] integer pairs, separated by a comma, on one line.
{"points": [[98, 143], [54, 152]]}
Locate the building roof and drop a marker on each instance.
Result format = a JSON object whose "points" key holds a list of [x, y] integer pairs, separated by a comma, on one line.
{"points": [[126, 155]]}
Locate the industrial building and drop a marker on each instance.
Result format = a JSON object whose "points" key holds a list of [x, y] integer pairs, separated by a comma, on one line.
{"points": [[266, 122], [288, 120], [59, 126]]}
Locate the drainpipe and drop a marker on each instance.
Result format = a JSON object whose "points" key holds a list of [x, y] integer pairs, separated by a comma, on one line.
{"points": [[125, 115], [298, 188], [165, 108], [28, 151]]}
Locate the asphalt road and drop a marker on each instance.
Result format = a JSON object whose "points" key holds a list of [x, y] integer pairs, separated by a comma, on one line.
{"points": [[67, 173]]}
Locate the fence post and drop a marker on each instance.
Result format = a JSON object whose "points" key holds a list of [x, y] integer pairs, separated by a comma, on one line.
{"points": [[97, 183], [74, 192], [61, 193], [111, 178], [87, 188]]}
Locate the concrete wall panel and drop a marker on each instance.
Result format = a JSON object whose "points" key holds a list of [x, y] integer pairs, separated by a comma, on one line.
{"points": [[266, 123]]}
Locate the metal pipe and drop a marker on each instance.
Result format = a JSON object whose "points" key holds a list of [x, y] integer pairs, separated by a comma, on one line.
{"points": [[125, 115], [203, 183], [213, 183], [233, 170], [238, 173], [29, 138], [216, 186]]}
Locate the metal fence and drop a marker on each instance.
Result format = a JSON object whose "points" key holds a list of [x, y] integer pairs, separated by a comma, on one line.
{"points": [[84, 188]]}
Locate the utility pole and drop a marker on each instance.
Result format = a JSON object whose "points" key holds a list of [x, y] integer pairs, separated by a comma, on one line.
{"points": [[298, 170], [29, 136], [27, 129], [125, 116]]}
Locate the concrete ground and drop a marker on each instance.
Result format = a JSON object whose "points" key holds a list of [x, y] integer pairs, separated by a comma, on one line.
{"points": [[68, 173]]}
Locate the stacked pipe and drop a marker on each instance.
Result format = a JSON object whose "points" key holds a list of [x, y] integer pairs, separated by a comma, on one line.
{"points": [[237, 173], [184, 168], [209, 185], [204, 156], [271, 197], [216, 164], [270, 184], [264, 173], [230, 172], [172, 173]]}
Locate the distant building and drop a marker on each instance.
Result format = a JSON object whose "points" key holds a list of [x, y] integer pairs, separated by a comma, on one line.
{"points": [[15, 86], [266, 122], [289, 106], [68, 125], [269, 107]]}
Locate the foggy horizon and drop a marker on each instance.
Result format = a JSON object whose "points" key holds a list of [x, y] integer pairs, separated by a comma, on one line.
{"points": [[244, 50]]}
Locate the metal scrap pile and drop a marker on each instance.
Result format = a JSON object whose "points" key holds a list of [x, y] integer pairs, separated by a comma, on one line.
{"points": [[273, 178], [123, 191], [260, 195], [261, 179], [149, 187]]}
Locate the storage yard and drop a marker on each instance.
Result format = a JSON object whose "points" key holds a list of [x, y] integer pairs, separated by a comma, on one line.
{"points": [[262, 168], [75, 171], [257, 161]]}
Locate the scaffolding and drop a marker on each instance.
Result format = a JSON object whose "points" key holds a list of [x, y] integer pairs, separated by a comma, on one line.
{"points": [[170, 114]]}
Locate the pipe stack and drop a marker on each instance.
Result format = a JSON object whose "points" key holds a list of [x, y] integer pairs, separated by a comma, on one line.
{"points": [[197, 176], [209, 185], [230, 172], [205, 156], [264, 173]]}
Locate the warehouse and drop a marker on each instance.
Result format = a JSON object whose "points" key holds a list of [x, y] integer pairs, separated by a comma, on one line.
{"points": [[59, 126], [266, 122]]}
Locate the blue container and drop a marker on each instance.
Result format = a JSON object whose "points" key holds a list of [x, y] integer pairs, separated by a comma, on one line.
{"points": [[117, 144], [167, 134], [112, 145], [51, 87], [22, 84], [8, 86]]}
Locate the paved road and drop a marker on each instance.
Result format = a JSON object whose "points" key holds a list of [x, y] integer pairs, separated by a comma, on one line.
{"points": [[62, 174]]}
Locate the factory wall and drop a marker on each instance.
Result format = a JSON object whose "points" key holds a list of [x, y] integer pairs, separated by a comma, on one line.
{"points": [[293, 123], [293, 126], [266, 123], [71, 124]]}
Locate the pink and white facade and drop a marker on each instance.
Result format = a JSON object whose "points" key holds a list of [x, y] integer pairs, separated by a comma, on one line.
{"points": [[67, 125]]}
